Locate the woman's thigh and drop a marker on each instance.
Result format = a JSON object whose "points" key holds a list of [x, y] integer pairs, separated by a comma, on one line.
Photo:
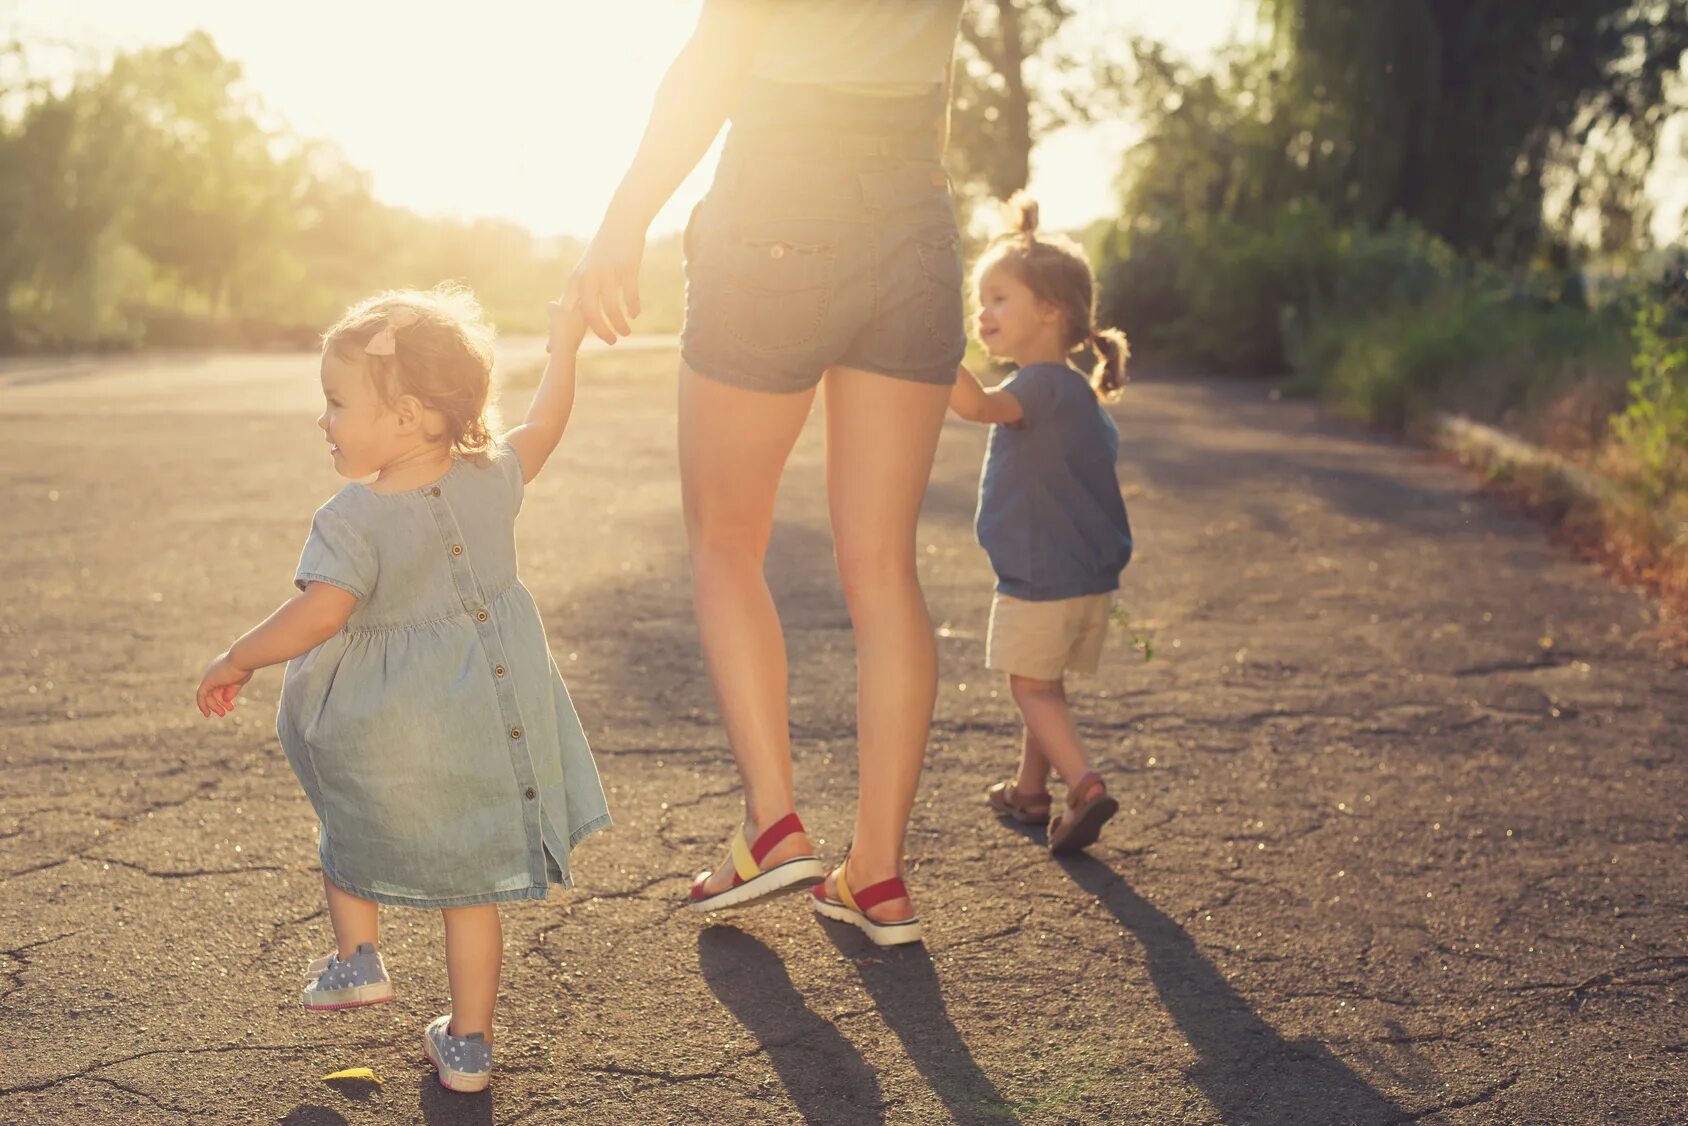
{"points": [[881, 435], [733, 446]]}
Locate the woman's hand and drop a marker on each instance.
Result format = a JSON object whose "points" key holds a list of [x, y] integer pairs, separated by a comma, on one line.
{"points": [[219, 686], [604, 288], [703, 83]]}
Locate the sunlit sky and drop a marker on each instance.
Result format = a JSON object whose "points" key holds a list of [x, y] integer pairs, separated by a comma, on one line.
{"points": [[531, 109]]}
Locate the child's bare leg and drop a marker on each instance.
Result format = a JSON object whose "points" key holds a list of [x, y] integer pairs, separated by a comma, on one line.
{"points": [[1043, 704], [356, 920], [1033, 777], [474, 954]]}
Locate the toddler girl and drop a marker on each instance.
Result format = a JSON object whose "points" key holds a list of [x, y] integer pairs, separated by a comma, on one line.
{"points": [[421, 709], [1050, 513]]}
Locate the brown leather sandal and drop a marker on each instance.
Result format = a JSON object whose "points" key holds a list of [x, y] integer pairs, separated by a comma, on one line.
{"points": [[1089, 807], [1027, 809]]}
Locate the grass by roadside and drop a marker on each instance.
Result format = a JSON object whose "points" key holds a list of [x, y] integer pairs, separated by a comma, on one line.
{"points": [[1602, 517], [1580, 414]]}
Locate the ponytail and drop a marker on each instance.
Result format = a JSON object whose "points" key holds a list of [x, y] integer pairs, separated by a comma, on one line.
{"points": [[1112, 350], [1019, 218]]}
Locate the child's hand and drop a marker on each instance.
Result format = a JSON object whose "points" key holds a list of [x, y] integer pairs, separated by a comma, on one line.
{"points": [[568, 329], [964, 386], [219, 686]]}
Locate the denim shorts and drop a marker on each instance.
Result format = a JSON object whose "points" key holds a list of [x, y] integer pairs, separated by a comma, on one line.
{"points": [[798, 263]]}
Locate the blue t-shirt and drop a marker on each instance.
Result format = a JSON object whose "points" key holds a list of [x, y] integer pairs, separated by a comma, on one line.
{"points": [[1051, 517]]}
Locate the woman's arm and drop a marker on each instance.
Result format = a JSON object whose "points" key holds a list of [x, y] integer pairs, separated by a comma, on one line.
{"points": [[693, 101], [553, 402], [301, 624], [974, 403]]}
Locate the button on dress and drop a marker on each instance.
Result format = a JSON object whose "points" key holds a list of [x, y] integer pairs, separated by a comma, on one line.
{"points": [[434, 735]]}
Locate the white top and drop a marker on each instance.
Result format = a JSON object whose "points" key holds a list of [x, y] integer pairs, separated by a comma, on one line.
{"points": [[885, 47]]}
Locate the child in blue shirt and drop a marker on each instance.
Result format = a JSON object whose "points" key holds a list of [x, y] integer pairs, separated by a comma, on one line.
{"points": [[1050, 517]]}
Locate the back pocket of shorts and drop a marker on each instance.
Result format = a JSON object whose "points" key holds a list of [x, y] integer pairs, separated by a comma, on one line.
{"points": [[776, 281], [941, 292]]}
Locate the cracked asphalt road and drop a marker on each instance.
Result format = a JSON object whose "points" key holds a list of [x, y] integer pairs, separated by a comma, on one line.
{"points": [[1403, 784]]}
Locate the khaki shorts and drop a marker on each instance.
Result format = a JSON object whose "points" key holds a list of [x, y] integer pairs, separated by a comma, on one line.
{"points": [[1043, 640]]}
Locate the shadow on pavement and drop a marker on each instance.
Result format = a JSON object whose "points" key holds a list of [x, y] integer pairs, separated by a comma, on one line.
{"points": [[826, 1077], [441, 1107], [312, 1115], [905, 991], [1246, 1069]]}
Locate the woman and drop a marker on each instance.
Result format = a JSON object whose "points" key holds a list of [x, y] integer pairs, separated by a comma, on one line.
{"points": [[825, 254]]}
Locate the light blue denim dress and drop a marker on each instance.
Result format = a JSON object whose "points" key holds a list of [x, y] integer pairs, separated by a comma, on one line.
{"points": [[433, 734]]}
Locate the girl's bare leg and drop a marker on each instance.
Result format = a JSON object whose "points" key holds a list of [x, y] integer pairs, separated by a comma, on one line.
{"points": [[733, 447], [881, 435], [1043, 704], [474, 955], [1033, 776], [355, 920]]}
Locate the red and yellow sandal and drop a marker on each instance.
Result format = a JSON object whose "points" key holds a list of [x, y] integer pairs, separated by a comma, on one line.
{"points": [[851, 907], [750, 883]]}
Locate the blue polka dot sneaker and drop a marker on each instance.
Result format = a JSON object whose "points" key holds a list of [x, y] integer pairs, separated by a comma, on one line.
{"points": [[464, 1063], [346, 984]]}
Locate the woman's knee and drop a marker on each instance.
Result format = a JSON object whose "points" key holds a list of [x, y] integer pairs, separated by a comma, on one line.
{"points": [[718, 533], [876, 571]]}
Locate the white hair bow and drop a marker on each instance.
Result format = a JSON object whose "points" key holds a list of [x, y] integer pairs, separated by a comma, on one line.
{"points": [[386, 342]]}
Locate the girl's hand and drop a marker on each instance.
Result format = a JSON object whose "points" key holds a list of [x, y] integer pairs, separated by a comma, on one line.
{"points": [[568, 329], [219, 686]]}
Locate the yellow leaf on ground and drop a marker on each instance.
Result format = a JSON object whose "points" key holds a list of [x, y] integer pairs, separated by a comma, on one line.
{"points": [[354, 1073]]}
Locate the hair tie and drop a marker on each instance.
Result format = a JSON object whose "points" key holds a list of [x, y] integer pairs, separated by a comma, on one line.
{"points": [[386, 342]]}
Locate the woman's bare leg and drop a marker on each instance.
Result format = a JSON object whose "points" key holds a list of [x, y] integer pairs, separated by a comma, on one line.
{"points": [[733, 447], [881, 435]]}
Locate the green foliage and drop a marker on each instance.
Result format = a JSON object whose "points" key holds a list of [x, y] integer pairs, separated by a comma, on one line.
{"points": [[1141, 636], [152, 204], [1468, 118], [1238, 297], [1472, 346], [1476, 346], [1653, 429], [1364, 155]]}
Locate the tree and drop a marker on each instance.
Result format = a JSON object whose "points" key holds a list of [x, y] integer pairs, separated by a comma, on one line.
{"points": [[1015, 81], [155, 199], [1468, 116], [215, 204]]}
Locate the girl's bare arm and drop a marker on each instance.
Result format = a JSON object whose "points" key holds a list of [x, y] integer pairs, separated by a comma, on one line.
{"points": [[301, 624], [548, 414], [974, 403]]}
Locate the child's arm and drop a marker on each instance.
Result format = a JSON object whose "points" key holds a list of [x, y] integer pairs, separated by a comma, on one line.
{"points": [[548, 414], [974, 403], [304, 621]]}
